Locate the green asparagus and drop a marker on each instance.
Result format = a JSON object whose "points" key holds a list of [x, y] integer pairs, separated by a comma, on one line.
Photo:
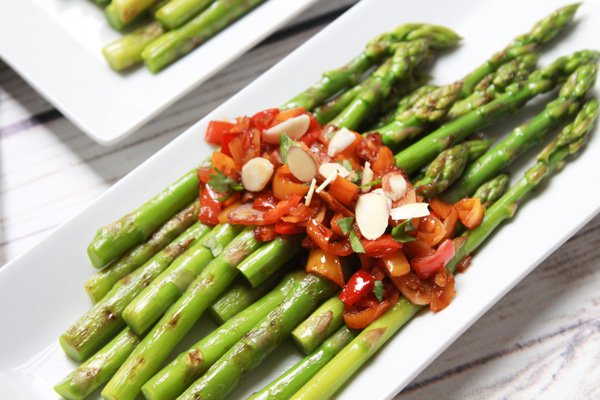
{"points": [[129, 10], [101, 283], [96, 371], [542, 32], [492, 190], [155, 299], [527, 135], [115, 239], [173, 379], [179, 42], [404, 104], [104, 320], [541, 81], [126, 51], [319, 326], [256, 345], [177, 12]]}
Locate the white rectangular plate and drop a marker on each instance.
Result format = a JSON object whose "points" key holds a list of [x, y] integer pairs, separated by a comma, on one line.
{"points": [[55, 45], [41, 292]]}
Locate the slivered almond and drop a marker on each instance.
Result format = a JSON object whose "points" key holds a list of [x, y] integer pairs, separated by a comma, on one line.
{"points": [[256, 173], [311, 192], [394, 185], [407, 211], [302, 164], [326, 169], [340, 141], [294, 127], [325, 183], [372, 214], [367, 177]]}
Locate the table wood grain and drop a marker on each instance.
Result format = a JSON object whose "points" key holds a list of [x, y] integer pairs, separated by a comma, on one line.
{"points": [[541, 341]]}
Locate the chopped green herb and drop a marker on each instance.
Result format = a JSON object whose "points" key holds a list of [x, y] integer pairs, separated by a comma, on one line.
{"points": [[285, 142], [355, 243], [345, 224], [223, 184], [346, 164], [378, 290], [372, 183], [400, 232]]}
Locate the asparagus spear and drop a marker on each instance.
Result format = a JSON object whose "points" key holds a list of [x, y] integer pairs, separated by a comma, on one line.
{"points": [[143, 311], [527, 135], [126, 51], [175, 13], [266, 261], [90, 375], [256, 345], [542, 32], [495, 84], [541, 81], [448, 166], [128, 10], [173, 379], [179, 318], [492, 190], [337, 372], [115, 239], [427, 110], [104, 320], [320, 325], [178, 42], [406, 57], [240, 296], [383, 45], [294, 378], [405, 103], [101, 283]]}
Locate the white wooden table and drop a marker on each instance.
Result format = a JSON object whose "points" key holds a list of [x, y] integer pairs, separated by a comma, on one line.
{"points": [[542, 341]]}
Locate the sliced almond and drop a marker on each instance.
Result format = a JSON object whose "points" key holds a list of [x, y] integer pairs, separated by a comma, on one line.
{"points": [[326, 169], [380, 192], [394, 185], [256, 173], [407, 211], [340, 141], [367, 177], [294, 127], [372, 214], [311, 192], [302, 164]]}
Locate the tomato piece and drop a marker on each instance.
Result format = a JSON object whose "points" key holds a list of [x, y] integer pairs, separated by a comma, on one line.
{"points": [[450, 223], [426, 266], [381, 246], [263, 119], [246, 215], [326, 265], [265, 233], [282, 208], [322, 237], [431, 230], [288, 228], [236, 150], [215, 131], [264, 201], [359, 286], [384, 161], [227, 138], [313, 133], [470, 212], [343, 190], [416, 290], [204, 173], [298, 214], [396, 264], [285, 185], [359, 319], [210, 207], [442, 209], [287, 114]]}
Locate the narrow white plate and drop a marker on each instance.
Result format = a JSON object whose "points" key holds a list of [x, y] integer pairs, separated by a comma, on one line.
{"points": [[41, 292], [55, 45]]}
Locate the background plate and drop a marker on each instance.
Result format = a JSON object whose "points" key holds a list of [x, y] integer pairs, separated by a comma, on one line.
{"points": [[55, 45], [41, 292]]}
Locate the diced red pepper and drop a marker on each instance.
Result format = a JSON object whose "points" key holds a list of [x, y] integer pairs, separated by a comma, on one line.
{"points": [[322, 237], [288, 228], [359, 286], [359, 319], [265, 233], [227, 138], [215, 131], [210, 207], [263, 119], [381, 246], [427, 266]]}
